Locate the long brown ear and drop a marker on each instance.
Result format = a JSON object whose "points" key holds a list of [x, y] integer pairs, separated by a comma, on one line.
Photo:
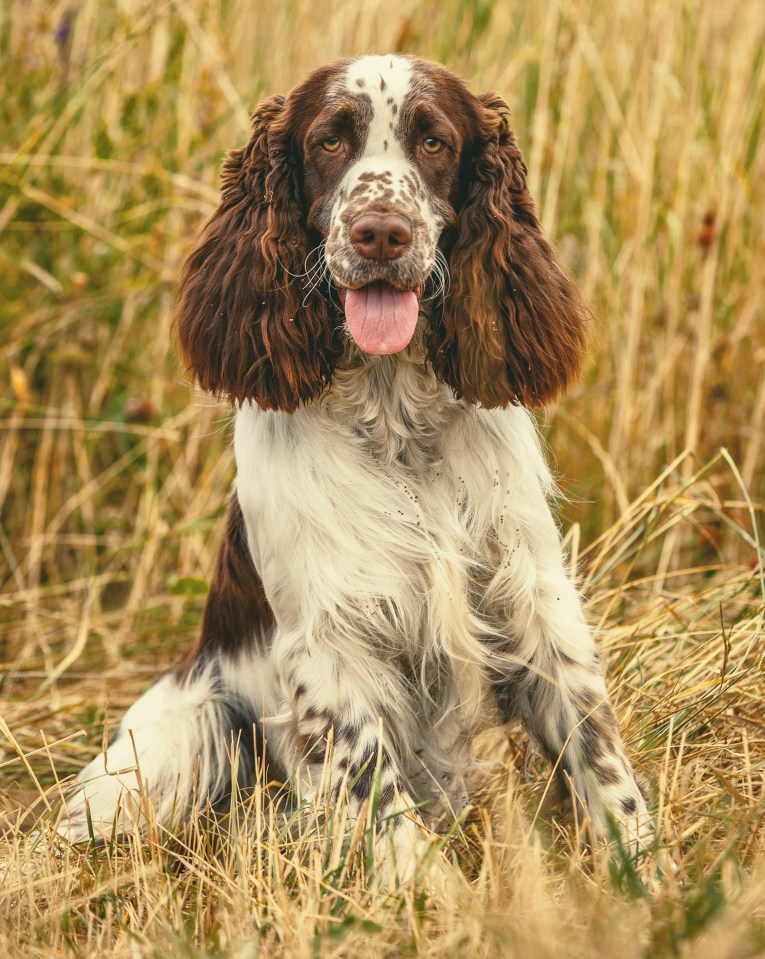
{"points": [[513, 325], [246, 326]]}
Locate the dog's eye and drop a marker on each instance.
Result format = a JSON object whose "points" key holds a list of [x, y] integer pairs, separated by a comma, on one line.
{"points": [[332, 145], [432, 145]]}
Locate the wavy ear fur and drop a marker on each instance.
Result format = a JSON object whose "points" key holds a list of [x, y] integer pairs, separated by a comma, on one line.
{"points": [[246, 327], [513, 326]]}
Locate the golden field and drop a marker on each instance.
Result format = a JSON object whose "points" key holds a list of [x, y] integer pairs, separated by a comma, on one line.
{"points": [[642, 127]]}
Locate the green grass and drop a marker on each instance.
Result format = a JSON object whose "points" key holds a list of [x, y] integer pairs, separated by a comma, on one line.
{"points": [[641, 125]]}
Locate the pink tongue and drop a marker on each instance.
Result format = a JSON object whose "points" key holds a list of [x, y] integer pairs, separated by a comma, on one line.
{"points": [[380, 318]]}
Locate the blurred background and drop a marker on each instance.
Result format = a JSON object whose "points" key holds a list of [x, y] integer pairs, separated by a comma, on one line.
{"points": [[641, 125]]}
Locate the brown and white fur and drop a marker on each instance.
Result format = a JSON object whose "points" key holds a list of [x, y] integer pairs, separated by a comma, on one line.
{"points": [[390, 565]]}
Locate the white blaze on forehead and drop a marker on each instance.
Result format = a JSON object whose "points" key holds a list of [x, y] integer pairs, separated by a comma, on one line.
{"points": [[380, 302], [386, 81]]}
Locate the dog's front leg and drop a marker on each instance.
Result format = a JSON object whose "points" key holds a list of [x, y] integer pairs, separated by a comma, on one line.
{"points": [[341, 553], [553, 682], [340, 747]]}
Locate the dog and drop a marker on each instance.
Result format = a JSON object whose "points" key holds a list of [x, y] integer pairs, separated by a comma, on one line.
{"points": [[375, 297]]}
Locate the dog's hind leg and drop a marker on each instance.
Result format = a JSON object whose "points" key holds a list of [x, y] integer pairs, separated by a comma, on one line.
{"points": [[174, 745]]}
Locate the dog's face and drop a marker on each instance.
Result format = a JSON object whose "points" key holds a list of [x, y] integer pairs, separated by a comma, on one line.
{"points": [[386, 176], [381, 168]]}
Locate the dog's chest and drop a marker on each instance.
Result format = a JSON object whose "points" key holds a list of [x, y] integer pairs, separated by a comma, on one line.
{"points": [[387, 491], [397, 411]]}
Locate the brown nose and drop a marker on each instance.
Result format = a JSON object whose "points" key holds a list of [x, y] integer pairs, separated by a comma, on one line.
{"points": [[381, 236]]}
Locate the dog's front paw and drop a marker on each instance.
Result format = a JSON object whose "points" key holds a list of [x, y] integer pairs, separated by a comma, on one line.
{"points": [[406, 853]]}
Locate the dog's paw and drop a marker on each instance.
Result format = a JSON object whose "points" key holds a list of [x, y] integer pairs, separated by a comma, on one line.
{"points": [[406, 853]]}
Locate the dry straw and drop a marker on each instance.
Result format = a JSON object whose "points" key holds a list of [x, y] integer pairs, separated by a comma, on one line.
{"points": [[641, 124]]}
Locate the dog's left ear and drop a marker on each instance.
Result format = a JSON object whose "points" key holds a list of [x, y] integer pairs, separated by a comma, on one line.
{"points": [[247, 326], [513, 326]]}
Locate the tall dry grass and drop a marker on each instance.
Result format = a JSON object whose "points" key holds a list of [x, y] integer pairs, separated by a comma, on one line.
{"points": [[641, 124]]}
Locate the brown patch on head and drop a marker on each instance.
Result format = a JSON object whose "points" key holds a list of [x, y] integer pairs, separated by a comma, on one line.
{"points": [[347, 117], [375, 177]]}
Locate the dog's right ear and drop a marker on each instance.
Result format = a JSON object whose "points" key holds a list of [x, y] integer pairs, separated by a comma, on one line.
{"points": [[514, 327], [247, 328]]}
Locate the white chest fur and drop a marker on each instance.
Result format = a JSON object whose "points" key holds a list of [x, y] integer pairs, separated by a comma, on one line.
{"points": [[378, 508]]}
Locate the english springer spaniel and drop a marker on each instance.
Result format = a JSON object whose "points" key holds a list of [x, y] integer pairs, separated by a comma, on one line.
{"points": [[376, 298]]}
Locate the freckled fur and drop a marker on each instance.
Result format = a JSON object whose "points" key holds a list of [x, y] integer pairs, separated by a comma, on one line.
{"points": [[390, 555]]}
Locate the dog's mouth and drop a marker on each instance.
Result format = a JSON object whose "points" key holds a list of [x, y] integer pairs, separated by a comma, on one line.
{"points": [[381, 318]]}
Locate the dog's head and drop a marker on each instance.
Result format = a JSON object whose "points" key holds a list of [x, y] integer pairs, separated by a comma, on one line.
{"points": [[381, 193]]}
